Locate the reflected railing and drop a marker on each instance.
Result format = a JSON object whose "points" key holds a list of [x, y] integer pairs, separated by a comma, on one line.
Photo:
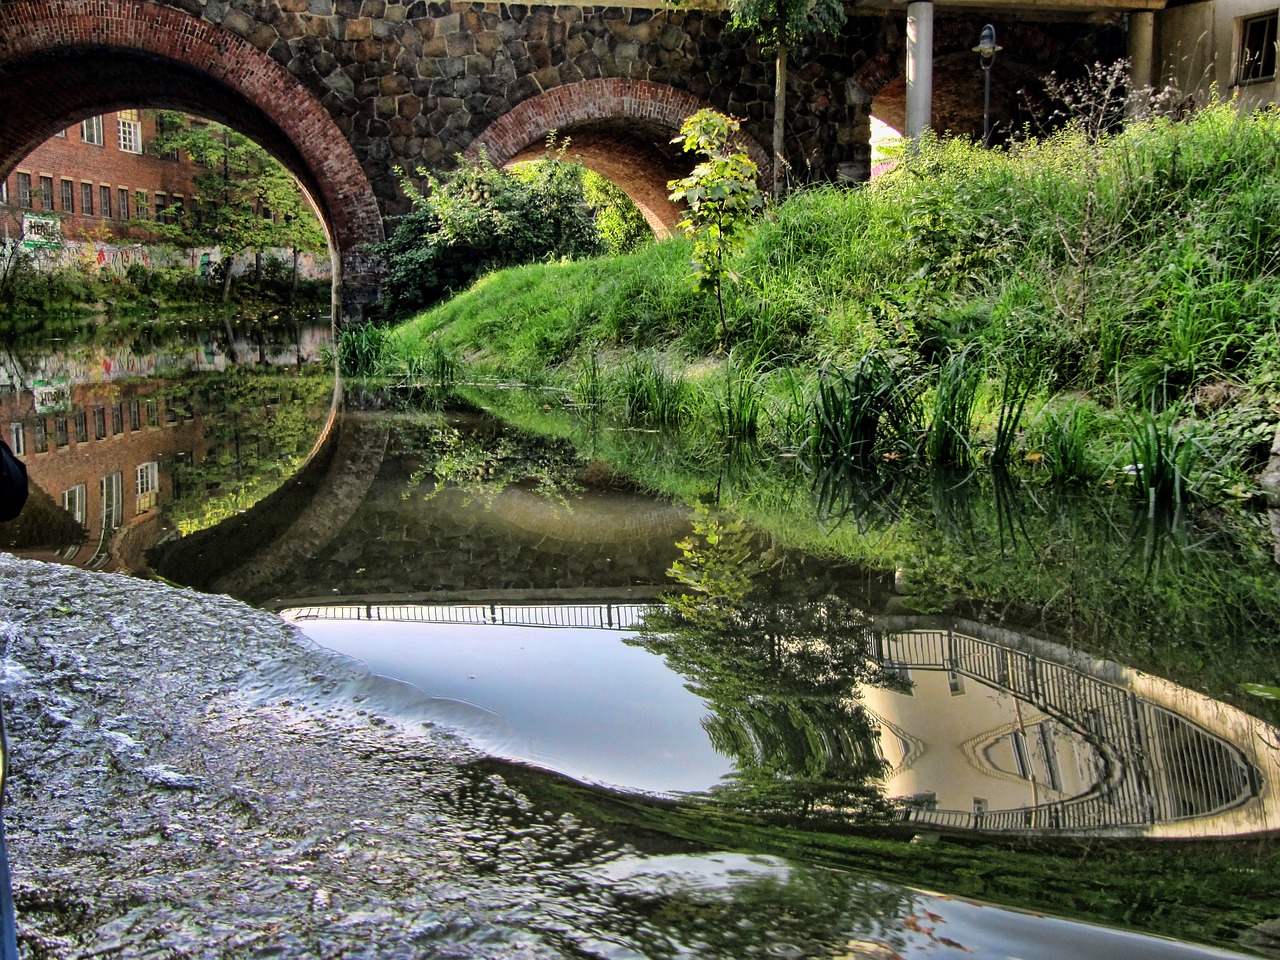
{"points": [[1162, 766], [603, 616], [1157, 765]]}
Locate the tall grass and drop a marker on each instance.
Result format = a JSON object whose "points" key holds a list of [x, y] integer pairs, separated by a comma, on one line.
{"points": [[1162, 455], [863, 413], [1130, 269], [651, 395], [949, 438]]}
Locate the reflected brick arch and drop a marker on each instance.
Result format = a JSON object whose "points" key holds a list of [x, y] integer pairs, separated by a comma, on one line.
{"points": [[64, 60], [620, 128]]}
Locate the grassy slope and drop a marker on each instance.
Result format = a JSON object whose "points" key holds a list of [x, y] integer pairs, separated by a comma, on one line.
{"points": [[1112, 269]]}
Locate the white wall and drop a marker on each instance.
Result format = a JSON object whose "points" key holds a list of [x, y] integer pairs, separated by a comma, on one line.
{"points": [[1198, 45]]}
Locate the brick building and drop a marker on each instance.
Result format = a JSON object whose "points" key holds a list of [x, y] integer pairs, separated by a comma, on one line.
{"points": [[106, 457], [95, 177]]}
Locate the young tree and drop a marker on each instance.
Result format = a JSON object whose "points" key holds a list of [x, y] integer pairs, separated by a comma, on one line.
{"points": [[723, 198], [240, 192], [778, 24]]}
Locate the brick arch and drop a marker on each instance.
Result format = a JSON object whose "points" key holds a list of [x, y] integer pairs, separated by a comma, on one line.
{"points": [[61, 60], [621, 128]]}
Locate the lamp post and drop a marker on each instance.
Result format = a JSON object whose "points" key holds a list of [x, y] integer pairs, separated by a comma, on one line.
{"points": [[986, 51]]}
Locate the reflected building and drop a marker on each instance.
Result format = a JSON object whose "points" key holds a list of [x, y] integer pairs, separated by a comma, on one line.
{"points": [[105, 432], [1003, 732], [105, 454]]}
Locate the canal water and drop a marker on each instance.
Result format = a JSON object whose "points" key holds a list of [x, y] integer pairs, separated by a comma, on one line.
{"points": [[524, 592]]}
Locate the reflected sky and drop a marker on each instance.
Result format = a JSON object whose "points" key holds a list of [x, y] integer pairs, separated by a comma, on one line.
{"points": [[579, 701]]}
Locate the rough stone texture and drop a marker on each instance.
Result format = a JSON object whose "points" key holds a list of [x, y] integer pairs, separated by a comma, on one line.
{"points": [[191, 778]]}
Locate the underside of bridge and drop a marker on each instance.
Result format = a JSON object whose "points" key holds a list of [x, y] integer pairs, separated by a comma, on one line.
{"points": [[638, 158], [60, 64]]}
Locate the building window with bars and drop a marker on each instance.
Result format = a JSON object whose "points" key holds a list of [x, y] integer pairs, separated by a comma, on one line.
{"points": [[99, 423], [162, 205], [17, 440], [1258, 48], [117, 419], [61, 436], [135, 414], [68, 197], [141, 210], [148, 485], [123, 196], [41, 436], [91, 132], [86, 199], [153, 413], [46, 193], [104, 200], [24, 191], [130, 131], [82, 426]]}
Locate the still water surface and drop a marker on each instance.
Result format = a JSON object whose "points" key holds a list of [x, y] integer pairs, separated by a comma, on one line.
{"points": [[513, 582]]}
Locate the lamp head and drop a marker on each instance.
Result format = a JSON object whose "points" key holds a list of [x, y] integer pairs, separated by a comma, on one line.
{"points": [[987, 46]]}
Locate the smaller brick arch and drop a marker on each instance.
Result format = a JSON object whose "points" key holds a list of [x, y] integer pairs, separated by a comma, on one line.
{"points": [[621, 128]]}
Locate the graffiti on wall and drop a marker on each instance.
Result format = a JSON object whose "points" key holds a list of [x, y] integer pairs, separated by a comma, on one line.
{"points": [[119, 259]]}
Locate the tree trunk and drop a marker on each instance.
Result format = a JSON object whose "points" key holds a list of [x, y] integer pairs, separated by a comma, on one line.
{"points": [[779, 114], [226, 280]]}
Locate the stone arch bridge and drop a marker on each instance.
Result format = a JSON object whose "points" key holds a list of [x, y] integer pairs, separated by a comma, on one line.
{"points": [[346, 91]]}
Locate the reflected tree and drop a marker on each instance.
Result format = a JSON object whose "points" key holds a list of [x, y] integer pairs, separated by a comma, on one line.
{"points": [[260, 426], [765, 909], [782, 681]]}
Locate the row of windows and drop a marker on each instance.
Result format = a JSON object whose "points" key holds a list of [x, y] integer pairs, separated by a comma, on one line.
{"points": [[146, 485], [90, 200], [112, 417], [128, 129]]}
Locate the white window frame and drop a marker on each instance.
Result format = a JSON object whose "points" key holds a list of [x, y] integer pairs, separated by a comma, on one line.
{"points": [[112, 502], [75, 502], [130, 131], [148, 485], [17, 440], [91, 131]]}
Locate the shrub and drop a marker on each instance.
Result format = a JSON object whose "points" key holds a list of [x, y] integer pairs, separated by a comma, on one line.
{"points": [[479, 218]]}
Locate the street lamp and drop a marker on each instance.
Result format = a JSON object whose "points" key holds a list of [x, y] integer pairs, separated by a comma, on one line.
{"points": [[986, 51]]}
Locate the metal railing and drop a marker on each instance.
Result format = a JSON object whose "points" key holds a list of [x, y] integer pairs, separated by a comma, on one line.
{"points": [[601, 616], [1158, 765]]}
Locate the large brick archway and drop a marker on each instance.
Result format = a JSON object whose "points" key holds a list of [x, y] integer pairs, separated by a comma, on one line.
{"points": [[64, 60], [621, 128]]}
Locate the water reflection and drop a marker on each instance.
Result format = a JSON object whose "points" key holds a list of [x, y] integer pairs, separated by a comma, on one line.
{"points": [[126, 440], [438, 548]]}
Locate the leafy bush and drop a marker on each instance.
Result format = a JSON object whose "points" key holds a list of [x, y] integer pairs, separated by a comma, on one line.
{"points": [[479, 218]]}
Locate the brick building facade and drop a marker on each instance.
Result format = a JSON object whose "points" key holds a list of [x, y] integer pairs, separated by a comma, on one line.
{"points": [[98, 179], [106, 458]]}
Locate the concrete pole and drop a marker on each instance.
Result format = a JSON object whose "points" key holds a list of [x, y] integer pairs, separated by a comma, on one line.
{"points": [[1142, 33], [919, 67]]}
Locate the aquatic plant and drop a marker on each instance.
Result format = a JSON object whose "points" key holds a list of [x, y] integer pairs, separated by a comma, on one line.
{"points": [[1063, 440], [650, 395], [1162, 454], [1015, 390], [949, 435], [863, 412]]}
